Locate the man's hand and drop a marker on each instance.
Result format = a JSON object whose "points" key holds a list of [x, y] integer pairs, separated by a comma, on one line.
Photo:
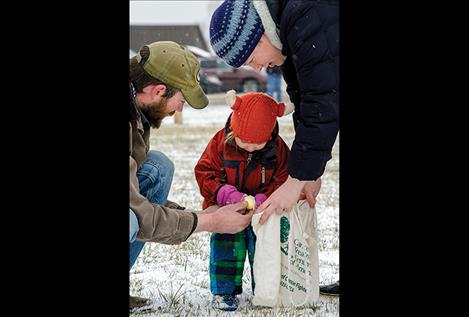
{"points": [[227, 219], [209, 210]]}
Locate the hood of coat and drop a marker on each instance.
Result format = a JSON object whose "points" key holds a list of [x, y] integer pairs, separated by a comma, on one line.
{"points": [[270, 13]]}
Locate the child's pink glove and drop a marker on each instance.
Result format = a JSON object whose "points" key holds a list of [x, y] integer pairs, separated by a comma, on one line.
{"points": [[227, 194], [259, 198]]}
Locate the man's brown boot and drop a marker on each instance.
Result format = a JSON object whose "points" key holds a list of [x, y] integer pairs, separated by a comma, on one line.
{"points": [[138, 302]]}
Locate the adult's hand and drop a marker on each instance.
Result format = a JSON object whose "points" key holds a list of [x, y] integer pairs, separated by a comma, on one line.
{"points": [[227, 219], [287, 195], [311, 191], [209, 210]]}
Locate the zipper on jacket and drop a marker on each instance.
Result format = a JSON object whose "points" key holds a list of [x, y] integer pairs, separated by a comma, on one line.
{"points": [[243, 180], [249, 159], [263, 175]]}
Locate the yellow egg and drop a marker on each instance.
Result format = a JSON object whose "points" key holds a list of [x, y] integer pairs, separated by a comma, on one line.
{"points": [[251, 202]]}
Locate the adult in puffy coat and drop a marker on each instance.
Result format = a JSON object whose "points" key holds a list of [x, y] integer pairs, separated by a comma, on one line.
{"points": [[303, 37]]}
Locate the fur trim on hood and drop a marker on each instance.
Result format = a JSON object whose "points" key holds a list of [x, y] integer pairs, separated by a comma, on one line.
{"points": [[269, 25]]}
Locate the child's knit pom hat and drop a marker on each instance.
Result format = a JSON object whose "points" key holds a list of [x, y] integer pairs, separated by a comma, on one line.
{"points": [[254, 116]]}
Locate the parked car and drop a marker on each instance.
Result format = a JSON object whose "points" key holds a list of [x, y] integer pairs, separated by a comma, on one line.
{"points": [[210, 83], [243, 79], [199, 52]]}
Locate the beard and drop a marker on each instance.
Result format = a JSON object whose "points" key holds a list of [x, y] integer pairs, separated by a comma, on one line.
{"points": [[155, 112]]}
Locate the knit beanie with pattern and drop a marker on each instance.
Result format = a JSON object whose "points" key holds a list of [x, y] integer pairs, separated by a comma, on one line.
{"points": [[235, 30]]}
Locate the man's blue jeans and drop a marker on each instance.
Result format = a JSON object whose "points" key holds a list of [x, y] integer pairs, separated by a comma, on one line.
{"points": [[274, 86], [154, 177]]}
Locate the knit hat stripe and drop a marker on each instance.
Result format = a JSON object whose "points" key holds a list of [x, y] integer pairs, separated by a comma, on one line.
{"points": [[226, 38], [245, 37], [235, 30]]}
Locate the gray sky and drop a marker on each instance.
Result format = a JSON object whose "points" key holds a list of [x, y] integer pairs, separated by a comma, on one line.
{"points": [[170, 12], [175, 12]]}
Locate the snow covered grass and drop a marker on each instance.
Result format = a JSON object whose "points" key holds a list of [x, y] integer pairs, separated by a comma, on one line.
{"points": [[176, 278]]}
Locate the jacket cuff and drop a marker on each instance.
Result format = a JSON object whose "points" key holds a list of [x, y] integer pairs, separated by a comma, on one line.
{"points": [[196, 221], [185, 226]]}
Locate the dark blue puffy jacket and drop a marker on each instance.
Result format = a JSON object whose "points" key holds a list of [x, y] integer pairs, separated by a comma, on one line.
{"points": [[309, 31]]}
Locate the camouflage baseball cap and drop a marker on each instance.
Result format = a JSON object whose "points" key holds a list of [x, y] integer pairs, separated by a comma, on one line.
{"points": [[176, 66]]}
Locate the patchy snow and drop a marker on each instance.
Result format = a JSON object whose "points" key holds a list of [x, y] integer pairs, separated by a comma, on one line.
{"points": [[176, 277]]}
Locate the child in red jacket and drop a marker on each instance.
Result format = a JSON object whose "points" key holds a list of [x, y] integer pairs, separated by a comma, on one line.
{"points": [[246, 157]]}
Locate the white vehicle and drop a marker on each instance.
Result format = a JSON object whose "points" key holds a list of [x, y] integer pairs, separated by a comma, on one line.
{"points": [[198, 52]]}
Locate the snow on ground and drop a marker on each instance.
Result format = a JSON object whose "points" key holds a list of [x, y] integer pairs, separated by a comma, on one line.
{"points": [[176, 277]]}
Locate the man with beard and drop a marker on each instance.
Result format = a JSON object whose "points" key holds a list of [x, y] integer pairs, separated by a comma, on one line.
{"points": [[162, 77]]}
